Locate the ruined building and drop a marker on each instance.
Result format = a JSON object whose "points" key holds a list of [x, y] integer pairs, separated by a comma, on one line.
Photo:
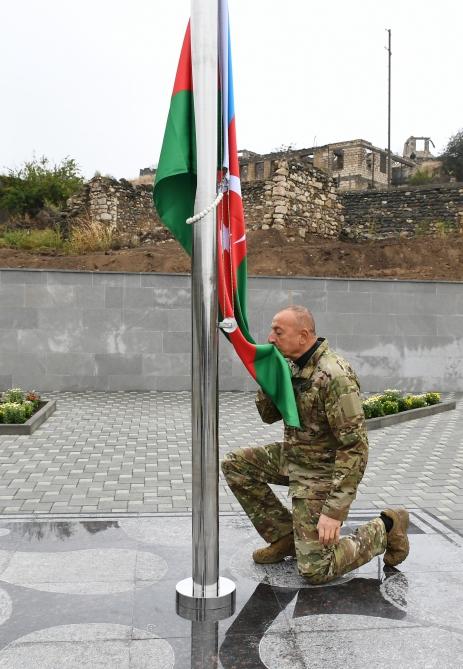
{"points": [[354, 165]]}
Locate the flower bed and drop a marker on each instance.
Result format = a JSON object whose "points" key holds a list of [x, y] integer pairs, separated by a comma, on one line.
{"points": [[17, 406], [23, 412], [393, 401]]}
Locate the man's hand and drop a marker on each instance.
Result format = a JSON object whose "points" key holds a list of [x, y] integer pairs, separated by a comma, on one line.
{"points": [[328, 530]]}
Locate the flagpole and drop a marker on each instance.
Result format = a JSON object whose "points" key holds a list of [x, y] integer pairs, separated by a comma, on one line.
{"points": [[205, 595]]}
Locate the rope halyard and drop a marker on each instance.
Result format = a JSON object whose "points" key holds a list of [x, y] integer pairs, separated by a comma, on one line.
{"points": [[202, 214]]}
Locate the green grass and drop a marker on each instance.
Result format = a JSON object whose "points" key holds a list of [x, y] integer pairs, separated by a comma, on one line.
{"points": [[31, 240]]}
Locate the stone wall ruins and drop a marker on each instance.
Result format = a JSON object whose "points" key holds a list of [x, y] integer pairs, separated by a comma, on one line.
{"points": [[297, 199], [402, 212], [126, 208]]}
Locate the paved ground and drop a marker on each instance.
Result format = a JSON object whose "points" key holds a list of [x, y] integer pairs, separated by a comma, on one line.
{"points": [[128, 452], [83, 594]]}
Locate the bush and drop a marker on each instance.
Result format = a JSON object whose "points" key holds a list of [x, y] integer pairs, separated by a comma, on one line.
{"points": [[390, 407], [420, 178], [432, 398], [14, 395], [13, 412], [89, 235], [37, 184], [418, 401], [392, 394], [16, 406], [373, 407], [392, 401]]}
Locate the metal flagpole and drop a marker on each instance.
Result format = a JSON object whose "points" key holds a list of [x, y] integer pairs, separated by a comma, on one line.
{"points": [[205, 595]]}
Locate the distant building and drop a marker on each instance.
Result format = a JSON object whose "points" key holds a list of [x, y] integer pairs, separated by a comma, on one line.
{"points": [[417, 149], [148, 171], [355, 164]]}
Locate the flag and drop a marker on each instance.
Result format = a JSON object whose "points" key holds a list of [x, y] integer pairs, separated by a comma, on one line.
{"points": [[174, 197]]}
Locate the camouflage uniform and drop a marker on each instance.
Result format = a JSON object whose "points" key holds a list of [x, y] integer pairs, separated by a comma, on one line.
{"points": [[322, 463]]}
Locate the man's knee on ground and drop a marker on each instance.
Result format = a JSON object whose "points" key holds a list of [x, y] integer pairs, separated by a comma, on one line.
{"points": [[319, 579], [315, 573]]}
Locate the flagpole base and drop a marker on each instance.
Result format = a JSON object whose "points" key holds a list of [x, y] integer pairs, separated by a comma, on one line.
{"points": [[209, 608]]}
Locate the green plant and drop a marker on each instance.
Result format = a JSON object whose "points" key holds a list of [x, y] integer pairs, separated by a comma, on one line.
{"points": [[33, 239], [443, 227], [392, 401], [28, 408], [391, 394], [432, 398], [88, 235], [423, 228], [37, 184], [372, 407], [390, 407], [417, 401], [420, 178], [13, 412], [452, 157], [16, 406], [13, 395]]}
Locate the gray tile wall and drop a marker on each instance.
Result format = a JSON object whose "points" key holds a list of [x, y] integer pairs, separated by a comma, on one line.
{"points": [[113, 331]]}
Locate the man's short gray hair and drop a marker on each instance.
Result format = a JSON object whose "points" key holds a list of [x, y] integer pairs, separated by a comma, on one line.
{"points": [[304, 317]]}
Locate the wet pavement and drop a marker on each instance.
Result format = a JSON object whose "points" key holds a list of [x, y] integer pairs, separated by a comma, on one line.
{"points": [[95, 533], [101, 593]]}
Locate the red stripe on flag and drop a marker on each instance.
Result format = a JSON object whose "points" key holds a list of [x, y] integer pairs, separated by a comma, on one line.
{"points": [[233, 149], [245, 350], [184, 76]]}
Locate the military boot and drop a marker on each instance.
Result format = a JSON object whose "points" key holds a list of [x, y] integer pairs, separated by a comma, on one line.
{"points": [[276, 551], [397, 547]]}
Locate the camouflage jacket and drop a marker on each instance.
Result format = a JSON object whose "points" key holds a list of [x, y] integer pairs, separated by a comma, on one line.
{"points": [[326, 458]]}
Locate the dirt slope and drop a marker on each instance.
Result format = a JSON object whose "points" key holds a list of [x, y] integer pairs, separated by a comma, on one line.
{"points": [[270, 253]]}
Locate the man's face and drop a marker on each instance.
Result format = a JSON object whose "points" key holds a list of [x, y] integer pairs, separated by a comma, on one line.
{"points": [[286, 335]]}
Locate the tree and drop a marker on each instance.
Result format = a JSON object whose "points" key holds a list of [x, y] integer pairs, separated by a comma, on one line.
{"points": [[421, 178], [38, 184], [452, 157]]}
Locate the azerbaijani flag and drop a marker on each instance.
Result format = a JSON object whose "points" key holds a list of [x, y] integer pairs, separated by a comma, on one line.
{"points": [[174, 197]]}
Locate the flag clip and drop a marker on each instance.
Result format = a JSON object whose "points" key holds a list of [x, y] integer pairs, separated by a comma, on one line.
{"points": [[228, 324]]}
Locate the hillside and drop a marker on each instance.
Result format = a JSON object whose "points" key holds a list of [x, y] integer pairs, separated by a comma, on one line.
{"points": [[270, 253]]}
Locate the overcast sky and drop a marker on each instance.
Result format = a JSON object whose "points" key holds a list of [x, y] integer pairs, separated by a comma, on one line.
{"points": [[92, 79]]}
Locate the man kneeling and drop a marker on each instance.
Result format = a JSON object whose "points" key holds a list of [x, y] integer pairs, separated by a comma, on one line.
{"points": [[322, 463]]}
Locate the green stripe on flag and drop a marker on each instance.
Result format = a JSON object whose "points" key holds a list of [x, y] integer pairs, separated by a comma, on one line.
{"points": [[176, 172]]}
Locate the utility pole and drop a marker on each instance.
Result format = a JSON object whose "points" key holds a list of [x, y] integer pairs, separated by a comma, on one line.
{"points": [[389, 158]]}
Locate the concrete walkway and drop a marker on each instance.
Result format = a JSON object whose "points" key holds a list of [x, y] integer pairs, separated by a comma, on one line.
{"points": [[129, 452]]}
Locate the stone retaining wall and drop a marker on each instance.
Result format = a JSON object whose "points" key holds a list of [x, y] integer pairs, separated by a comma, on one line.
{"points": [[117, 331], [122, 206], [402, 212], [296, 200]]}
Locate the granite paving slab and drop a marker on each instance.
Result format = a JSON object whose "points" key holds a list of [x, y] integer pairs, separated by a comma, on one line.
{"points": [[101, 593]]}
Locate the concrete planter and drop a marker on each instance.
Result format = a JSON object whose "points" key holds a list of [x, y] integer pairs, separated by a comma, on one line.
{"points": [[40, 416], [411, 414]]}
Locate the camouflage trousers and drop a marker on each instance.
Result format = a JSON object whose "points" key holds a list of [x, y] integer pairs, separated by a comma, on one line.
{"points": [[249, 471]]}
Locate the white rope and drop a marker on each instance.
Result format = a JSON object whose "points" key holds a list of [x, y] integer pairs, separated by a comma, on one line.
{"points": [[202, 214]]}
